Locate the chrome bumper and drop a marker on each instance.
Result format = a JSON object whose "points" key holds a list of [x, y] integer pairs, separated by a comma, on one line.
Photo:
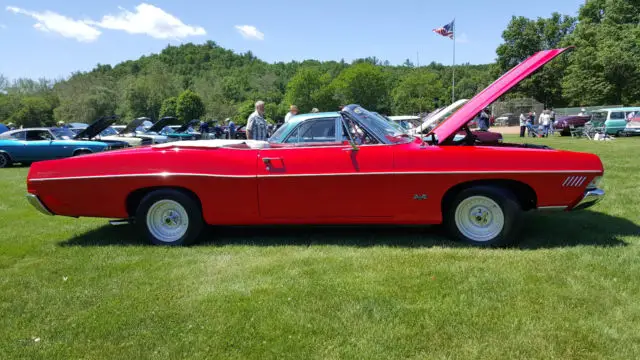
{"points": [[36, 203], [590, 198]]}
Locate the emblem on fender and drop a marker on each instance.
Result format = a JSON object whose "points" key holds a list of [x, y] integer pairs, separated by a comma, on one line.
{"points": [[420, 197]]}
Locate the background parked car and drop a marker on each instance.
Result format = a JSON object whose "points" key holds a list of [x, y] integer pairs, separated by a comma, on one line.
{"points": [[92, 133], [3, 128], [565, 123], [135, 129], [614, 119], [633, 126], [29, 145], [241, 132]]}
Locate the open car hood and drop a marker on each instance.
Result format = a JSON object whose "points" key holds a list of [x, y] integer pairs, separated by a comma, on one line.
{"points": [[96, 127], [439, 116], [186, 125], [133, 125], [165, 121], [448, 128]]}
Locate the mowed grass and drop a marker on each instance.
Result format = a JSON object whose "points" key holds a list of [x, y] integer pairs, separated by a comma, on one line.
{"points": [[78, 288]]}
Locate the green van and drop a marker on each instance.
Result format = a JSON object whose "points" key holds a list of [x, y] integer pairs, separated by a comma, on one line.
{"points": [[614, 119]]}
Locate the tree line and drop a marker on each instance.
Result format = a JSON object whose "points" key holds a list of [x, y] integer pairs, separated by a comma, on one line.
{"points": [[209, 82]]}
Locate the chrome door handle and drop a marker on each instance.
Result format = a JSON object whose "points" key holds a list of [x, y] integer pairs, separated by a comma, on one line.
{"points": [[268, 160]]}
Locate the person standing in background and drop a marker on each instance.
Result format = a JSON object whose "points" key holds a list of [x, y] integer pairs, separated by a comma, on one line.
{"points": [[256, 123], [204, 130], [545, 118], [483, 120], [523, 124], [232, 128], [293, 111]]}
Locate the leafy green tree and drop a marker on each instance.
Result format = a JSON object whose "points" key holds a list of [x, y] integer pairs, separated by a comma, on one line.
{"points": [[309, 88], [244, 110], [189, 106], [169, 107], [416, 92], [605, 67], [522, 38], [34, 111], [363, 84]]}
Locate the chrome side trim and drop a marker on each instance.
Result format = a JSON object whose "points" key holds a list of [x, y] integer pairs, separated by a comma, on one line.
{"points": [[590, 198], [120, 222], [168, 174], [552, 208], [36, 203]]}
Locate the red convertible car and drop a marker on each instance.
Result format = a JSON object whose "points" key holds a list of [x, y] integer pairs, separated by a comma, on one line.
{"points": [[371, 174]]}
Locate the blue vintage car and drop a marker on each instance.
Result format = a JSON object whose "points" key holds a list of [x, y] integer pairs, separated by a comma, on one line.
{"points": [[29, 145]]}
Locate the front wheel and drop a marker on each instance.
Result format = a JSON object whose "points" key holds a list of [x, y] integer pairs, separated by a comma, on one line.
{"points": [[169, 217], [484, 216]]}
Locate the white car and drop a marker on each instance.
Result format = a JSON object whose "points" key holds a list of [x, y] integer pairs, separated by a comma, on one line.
{"points": [[131, 131]]}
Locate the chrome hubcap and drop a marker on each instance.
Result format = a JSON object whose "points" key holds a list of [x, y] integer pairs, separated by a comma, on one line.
{"points": [[479, 218], [167, 220]]}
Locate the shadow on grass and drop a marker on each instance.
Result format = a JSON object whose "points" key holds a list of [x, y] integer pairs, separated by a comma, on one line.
{"points": [[539, 231]]}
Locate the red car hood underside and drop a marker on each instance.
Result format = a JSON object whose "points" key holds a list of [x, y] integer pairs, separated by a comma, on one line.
{"points": [[491, 93]]}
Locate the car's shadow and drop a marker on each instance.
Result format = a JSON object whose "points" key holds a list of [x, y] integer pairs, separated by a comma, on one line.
{"points": [[539, 231]]}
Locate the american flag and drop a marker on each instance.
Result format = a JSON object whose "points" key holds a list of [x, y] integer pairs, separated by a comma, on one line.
{"points": [[446, 30]]}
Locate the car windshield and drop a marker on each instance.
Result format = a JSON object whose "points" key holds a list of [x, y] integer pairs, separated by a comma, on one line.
{"points": [[380, 126], [109, 132], [279, 135], [168, 130], [63, 133]]}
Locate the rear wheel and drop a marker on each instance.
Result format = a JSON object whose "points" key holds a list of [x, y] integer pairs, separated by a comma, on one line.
{"points": [[5, 160], [169, 217], [484, 216]]}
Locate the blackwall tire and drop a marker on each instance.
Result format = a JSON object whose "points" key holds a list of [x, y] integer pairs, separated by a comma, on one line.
{"points": [[169, 217], [5, 160], [484, 216]]}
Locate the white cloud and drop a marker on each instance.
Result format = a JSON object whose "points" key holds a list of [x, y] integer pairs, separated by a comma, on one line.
{"points": [[49, 21], [462, 38], [150, 20], [250, 32]]}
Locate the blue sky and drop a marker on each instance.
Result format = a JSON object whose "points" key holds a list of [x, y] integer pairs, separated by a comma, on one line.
{"points": [[51, 39]]}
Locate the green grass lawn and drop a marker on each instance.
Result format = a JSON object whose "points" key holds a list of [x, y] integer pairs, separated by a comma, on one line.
{"points": [[78, 288]]}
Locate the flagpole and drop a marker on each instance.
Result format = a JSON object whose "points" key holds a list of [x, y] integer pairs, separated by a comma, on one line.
{"points": [[453, 87]]}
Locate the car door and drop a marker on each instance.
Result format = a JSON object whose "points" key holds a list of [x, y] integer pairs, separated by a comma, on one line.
{"points": [[41, 145], [616, 122], [323, 179]]}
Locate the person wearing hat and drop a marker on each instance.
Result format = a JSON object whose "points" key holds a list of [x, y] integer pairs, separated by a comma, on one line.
{"points": [[293, 111]]}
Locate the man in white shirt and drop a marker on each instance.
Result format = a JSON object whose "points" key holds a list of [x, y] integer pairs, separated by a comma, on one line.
{"points": [[293, 111], [523, 124], [545, 120]]}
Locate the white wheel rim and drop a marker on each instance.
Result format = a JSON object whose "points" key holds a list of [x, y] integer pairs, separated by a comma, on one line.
{"points": [[167, 220], [479, 218], [3, 160]]}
